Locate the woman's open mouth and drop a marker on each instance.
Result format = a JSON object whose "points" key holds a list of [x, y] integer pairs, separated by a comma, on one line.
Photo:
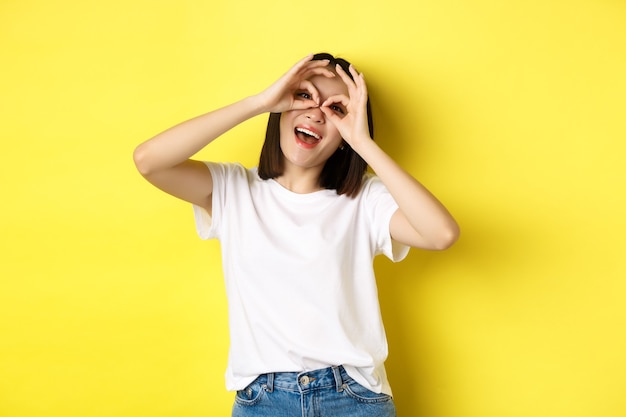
{"points": [[307, 137]]}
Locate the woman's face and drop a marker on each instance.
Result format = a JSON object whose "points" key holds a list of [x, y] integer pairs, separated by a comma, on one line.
{"points": [[307, 138]]}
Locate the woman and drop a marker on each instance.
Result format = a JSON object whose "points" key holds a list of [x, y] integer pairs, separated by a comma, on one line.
{"points": [[298, 236]]}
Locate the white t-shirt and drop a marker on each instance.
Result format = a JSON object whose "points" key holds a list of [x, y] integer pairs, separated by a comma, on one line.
{"points": [[299, 275]]}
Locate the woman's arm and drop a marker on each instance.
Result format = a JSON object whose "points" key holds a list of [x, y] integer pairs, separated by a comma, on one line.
{"points": [[421, 220], [165, 160]]}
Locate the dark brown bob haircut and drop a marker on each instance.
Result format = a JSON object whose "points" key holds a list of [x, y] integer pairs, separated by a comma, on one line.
{"points": [[344, 169]]}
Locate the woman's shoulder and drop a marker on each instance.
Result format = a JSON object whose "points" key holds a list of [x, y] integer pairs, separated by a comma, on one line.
{"points": [[373, 189], [371, 182]]}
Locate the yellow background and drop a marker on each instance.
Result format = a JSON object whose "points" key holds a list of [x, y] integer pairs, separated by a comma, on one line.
{"points": [[512, 112]]}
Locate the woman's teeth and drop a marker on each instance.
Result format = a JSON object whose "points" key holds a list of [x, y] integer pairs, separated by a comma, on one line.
{"points": [[308, 133]]}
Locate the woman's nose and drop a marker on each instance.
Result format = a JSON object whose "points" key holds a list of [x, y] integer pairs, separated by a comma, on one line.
{"points": [[315, 114]]}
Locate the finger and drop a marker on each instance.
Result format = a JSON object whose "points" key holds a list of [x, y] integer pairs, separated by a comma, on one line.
{"points": [[359, 80], [353, 71], [300, 103], [339, 98], [362, 86], [303, 104], [331, 115], [300, 64], [349, 82], [292, 73], [344, 76], [307, 58], [336, 107], [304, 65], [325, 71], [307, 85], [318, 67]]}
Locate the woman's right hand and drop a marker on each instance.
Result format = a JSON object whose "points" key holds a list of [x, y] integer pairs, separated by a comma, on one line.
{"points": [[294, 90]]}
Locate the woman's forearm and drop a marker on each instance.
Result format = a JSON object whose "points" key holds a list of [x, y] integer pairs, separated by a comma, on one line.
{"points": [[179, 143]]}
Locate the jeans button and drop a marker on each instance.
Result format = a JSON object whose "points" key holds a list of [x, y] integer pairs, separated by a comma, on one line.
{"points": [[304, 380]]}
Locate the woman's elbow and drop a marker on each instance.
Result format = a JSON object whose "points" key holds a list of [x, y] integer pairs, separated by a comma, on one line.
{"points": [[447, 238], [141, 160]]}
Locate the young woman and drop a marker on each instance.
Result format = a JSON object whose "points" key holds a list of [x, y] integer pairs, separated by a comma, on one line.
{"points": [[298, 237]]}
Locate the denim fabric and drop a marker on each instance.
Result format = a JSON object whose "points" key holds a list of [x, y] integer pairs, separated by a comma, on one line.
{"points": [[328, 392]]}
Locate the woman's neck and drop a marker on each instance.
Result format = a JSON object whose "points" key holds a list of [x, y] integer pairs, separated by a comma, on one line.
{"points": [[300, 181]]}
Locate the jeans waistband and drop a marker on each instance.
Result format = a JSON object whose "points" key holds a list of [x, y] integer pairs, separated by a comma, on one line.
{"points": [[334, 376]]}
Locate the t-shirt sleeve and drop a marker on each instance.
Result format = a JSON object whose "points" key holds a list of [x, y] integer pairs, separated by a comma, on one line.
{"points": [[207, 225], [381, 207]]}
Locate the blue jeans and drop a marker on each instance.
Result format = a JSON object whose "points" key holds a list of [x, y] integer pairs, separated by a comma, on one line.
{"points": [[322, 393]]}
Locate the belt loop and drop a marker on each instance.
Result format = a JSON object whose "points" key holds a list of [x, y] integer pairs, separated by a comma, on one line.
{"points": [[338, 380], [270, 382]]}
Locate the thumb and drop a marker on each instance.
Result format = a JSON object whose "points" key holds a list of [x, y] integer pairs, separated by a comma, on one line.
{"points": [[303, 104], [334, 119]]}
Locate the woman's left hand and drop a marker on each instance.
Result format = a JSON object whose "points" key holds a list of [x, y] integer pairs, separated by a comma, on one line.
{"points": [[352, 125]]}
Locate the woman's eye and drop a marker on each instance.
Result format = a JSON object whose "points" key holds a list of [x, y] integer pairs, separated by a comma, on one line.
{"points": [[337, 108], [304, 95]]}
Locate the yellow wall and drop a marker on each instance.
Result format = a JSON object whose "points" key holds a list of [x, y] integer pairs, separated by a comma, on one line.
{"points": [[511, 111]]}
